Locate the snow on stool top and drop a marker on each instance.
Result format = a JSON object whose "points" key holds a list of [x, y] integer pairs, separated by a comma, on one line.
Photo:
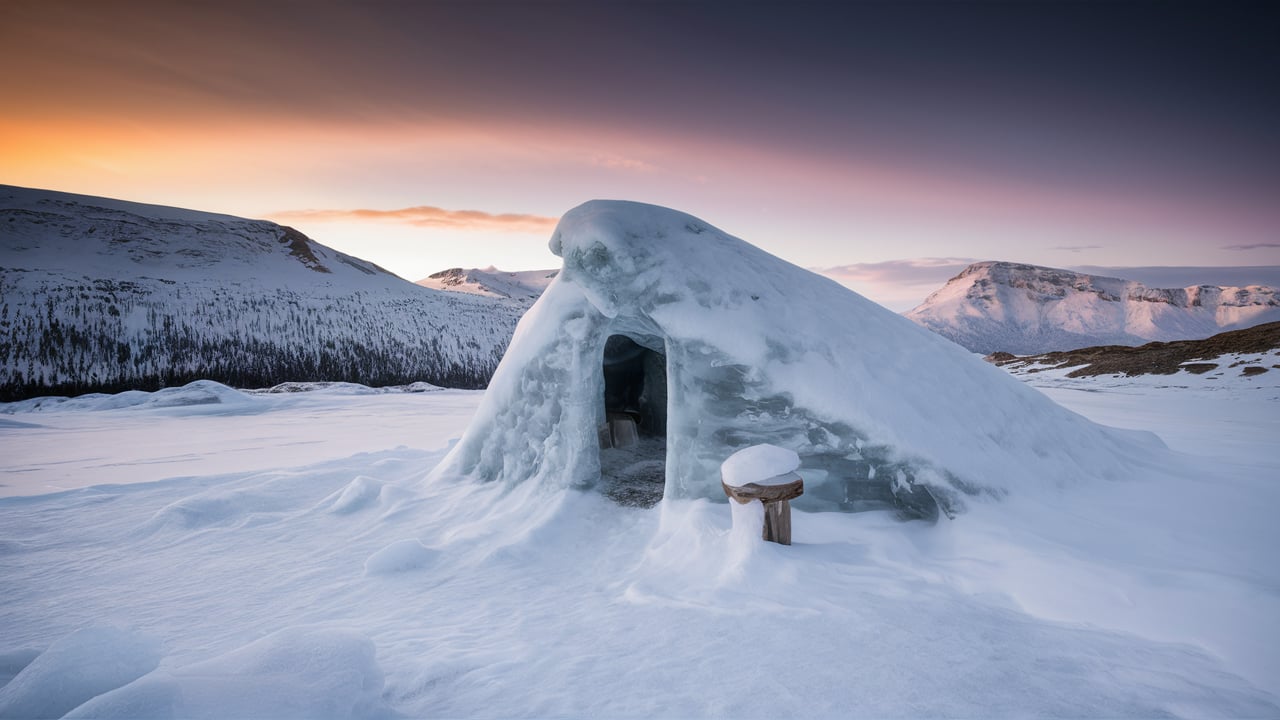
{"points": [[760, 464]]}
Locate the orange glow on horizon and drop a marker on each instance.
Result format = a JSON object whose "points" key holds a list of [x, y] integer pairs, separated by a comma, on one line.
{"points": [[273, 166]]}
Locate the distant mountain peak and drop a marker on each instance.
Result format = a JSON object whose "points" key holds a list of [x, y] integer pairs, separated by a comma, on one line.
{"points": [[995, 306], [524, 286]]}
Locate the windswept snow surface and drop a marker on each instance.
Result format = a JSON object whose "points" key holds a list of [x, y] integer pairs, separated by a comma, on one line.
{"points": [[136, 436], [331, 580]]}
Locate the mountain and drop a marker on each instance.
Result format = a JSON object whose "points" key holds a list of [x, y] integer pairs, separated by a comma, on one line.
{"points": [[522, 287], [1027, 309], [107, 295], [1247, 353]]}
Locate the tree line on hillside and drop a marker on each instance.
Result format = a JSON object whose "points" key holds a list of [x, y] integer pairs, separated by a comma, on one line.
{"points": [[73, 338]]}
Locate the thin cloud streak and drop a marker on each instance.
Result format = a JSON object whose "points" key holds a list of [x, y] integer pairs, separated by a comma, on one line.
{"points": [[619, 162], [1254, 246], [1076, 248], [913, 271], [429, 217]]}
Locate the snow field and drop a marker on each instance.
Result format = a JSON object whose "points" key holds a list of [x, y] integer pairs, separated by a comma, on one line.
{"points": [[352, 586]]}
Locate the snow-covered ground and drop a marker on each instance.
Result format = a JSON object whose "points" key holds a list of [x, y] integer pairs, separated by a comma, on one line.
{"points": [[283, 555]]}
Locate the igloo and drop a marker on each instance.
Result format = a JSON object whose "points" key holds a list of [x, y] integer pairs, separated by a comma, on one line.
{"points": [[712, 345]]}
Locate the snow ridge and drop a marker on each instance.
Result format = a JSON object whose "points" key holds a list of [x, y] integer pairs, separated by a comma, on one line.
{"points": [[1028, 309], [107, 295], [522, 287]]}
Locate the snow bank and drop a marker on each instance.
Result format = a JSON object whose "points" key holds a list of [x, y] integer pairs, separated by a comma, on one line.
{"points": [[80, 666], [399, 556], [358, 495], [199, 392], [344, 388], [294, 673], [761, 351]]}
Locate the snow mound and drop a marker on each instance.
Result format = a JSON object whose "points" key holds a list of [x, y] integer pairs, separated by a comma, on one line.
{"points": [[358, 495], [199, 392], [399, 556], [757, 464], [12, 662], [344, 388], [216, 507], [292, 673], [80, 666], [757, 350]]}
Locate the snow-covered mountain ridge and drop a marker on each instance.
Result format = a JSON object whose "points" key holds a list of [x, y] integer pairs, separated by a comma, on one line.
{"points": [[1028, 309], [522, 287], [100, 294]]}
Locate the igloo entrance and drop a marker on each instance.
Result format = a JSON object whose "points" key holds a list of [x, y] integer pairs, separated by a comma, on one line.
{"points": [[633, 437]]}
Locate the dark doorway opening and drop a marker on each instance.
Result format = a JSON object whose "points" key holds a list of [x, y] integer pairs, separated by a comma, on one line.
{"points": [[633, 439]]}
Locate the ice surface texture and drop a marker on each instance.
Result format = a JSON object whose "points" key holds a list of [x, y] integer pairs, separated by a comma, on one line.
{"points": [[761, 351]]}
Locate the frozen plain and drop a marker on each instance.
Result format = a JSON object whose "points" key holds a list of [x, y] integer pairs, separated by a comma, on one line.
{"points": [[282, 556]]}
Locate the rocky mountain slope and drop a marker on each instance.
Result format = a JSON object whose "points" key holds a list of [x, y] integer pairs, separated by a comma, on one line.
{"points": [[107, 295], [1027, 309], [522, 287], [1248, 352]]}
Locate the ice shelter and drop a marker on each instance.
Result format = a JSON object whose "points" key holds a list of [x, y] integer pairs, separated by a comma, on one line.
{"points": [[712, 345]]}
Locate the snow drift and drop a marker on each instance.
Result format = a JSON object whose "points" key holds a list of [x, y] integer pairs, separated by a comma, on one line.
{"points": [[1026, 310], [730, 347]]}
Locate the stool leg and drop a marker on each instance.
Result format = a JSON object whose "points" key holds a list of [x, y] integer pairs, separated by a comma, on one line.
{"points": [[777, 522]]}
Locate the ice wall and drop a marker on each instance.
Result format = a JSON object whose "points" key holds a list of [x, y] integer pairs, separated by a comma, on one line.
{"points": [[761, 351]]}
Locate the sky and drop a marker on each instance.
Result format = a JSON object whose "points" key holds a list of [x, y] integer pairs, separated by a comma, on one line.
{"points": [[886, 144]]}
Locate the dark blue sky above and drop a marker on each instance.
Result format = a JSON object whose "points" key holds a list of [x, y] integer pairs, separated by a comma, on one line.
{"points": [[1108, 123], [1072, 92]]}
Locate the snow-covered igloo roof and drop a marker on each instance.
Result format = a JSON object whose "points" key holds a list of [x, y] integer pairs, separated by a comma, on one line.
{"points": [[759, 350]]}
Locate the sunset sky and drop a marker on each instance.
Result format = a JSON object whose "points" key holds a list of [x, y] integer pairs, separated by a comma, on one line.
{"points": [[887, 143]]}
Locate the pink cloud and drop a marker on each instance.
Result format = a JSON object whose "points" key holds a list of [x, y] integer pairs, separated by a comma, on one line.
{"points": [[429, 217]]}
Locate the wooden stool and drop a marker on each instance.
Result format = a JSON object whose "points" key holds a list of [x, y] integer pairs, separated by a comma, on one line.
{"points": [[620, 430], [776, 493]]}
